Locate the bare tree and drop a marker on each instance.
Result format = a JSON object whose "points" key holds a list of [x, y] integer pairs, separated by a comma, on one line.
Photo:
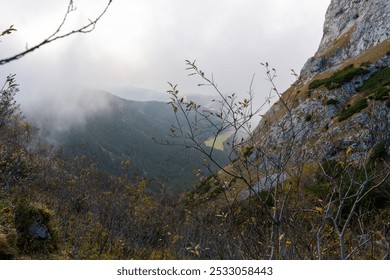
{"points": [[260, 170]]}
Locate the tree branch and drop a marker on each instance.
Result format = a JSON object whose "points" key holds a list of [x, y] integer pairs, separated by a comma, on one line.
{"points": [[56, 35]]}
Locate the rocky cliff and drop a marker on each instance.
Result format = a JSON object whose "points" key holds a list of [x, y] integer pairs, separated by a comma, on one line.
{"points": [[340, 103], [351, 27]]}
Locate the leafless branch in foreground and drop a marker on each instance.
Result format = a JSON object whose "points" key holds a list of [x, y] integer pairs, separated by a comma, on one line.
{"points": [[57, 34]]}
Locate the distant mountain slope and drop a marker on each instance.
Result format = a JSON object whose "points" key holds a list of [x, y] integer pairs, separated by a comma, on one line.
{"points": [[112, 130]]}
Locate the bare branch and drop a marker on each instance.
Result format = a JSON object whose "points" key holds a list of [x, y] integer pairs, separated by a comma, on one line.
{"points": [[56, 35], [8, 31]]}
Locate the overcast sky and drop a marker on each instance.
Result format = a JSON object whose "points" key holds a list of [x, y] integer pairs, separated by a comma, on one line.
{"points": [[144, 43]]}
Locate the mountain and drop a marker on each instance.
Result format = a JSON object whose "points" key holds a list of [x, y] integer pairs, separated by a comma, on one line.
{"points": [[139, 94], [351, 29], [312, 181], [337, 112], [341, 99], [110, 130]]}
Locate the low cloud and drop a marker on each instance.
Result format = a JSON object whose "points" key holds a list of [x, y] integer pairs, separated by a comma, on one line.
{"points": [[143, 44], [57, 111]]}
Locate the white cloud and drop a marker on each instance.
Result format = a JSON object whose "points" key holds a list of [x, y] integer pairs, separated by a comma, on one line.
{"points": [[144, 43]]}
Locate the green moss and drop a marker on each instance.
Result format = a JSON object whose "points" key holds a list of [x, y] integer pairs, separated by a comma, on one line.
{"points": [[331, 101], [316, 83], [378, 85], [365, 64], [355, 108], [339, 78]]}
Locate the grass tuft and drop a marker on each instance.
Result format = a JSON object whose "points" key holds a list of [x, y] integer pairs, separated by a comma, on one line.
{"points": [[355, 108], [378, 85], [339, 78], [331, 101]]}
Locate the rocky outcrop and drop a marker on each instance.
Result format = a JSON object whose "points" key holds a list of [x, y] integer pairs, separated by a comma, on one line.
{"points": [[351, 27], [325, 119]]}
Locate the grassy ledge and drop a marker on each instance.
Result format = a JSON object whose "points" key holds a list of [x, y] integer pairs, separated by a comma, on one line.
{"points": [[339, 78]]}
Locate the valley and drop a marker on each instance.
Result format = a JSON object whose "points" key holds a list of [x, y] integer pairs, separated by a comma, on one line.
{"points": [[122, 130]]}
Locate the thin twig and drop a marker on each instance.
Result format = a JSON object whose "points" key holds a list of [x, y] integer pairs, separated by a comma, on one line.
{"points": [[55, 36]]}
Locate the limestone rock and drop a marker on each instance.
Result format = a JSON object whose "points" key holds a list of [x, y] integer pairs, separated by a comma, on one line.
{"points": [[350, 28], [311, 128]]}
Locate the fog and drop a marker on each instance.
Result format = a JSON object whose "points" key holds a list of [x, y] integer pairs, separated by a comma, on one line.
{"points": [[143, 45], [55, 114]]}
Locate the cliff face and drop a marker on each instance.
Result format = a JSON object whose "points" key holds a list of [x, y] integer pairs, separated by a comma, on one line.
{"points": [[368, 21], [351, 27], [340, 102]]}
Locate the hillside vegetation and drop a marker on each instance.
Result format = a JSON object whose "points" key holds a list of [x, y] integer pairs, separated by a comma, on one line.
{"points": [[310, 181]]}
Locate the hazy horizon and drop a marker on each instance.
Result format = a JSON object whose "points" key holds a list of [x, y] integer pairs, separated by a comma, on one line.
{"points": [[140, 44]]}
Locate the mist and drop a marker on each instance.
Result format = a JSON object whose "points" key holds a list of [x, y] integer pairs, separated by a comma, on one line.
{"points": [[139, 46], [57, 111]]}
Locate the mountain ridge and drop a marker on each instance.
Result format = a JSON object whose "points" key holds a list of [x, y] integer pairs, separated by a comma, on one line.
{"points": [[355, 33], [115, 130], [350, 28]]}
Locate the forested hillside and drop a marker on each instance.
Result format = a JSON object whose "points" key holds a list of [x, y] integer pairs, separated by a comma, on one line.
{"points": [[116, 130]]}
